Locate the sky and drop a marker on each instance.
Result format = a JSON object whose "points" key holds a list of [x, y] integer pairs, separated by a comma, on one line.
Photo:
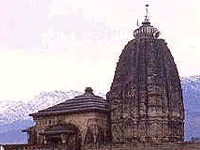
{"points": [[65, 45]]}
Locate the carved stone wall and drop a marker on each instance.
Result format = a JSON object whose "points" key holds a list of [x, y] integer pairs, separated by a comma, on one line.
{"points": [[93, 126], [146, 96]]}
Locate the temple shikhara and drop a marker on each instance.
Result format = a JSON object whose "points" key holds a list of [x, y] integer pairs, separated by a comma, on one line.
{"points": [[144, 106], [146, 96]]}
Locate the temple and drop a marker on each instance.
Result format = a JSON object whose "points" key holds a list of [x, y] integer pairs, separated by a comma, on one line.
{"points": [[144, 104], [146, 96]]}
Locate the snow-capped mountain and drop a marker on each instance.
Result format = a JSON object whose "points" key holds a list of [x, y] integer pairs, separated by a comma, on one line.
{"points": [[14, 114], [11, 111], [191, 98]]}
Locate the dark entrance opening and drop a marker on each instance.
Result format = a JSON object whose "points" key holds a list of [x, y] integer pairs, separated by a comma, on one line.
{"points": [[54, 140], [64, 134]]}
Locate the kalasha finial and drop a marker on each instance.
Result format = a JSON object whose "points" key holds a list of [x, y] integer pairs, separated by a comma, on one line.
{"points": [[146, 16], [88, 90]]}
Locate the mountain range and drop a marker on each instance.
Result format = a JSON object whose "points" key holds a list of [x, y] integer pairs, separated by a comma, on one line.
{"points": [[191, 97], [14, 115]]}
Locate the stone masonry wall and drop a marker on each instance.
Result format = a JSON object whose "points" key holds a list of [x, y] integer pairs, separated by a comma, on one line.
{"points": [[81, 120]]}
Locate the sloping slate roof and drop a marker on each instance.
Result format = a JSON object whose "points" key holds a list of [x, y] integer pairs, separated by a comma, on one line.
{"points": [[87, 101]]}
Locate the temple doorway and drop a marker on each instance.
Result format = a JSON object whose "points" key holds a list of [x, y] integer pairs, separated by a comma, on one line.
{"points": [[63, 134]]}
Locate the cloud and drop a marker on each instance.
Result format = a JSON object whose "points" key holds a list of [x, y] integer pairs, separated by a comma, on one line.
{"points": [[29, 24], [58, 44], [21, 22]]}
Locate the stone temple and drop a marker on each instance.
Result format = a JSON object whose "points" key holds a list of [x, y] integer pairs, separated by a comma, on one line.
{"points": [[145, 96], [144, 104]]}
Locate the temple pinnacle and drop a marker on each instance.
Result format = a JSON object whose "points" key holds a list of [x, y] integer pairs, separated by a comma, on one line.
{"points": [[146, 16], [146, 30]]}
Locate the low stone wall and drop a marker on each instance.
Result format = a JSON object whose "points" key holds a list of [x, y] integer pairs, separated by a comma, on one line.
{"points": [[132, 146], [147, 146]]}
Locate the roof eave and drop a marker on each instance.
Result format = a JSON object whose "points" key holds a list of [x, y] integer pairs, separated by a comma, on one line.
{"points": [[106, 110]]}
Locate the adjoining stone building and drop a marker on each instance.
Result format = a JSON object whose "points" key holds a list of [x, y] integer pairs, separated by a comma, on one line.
{"points": [[81, 121], [144, 105]]}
